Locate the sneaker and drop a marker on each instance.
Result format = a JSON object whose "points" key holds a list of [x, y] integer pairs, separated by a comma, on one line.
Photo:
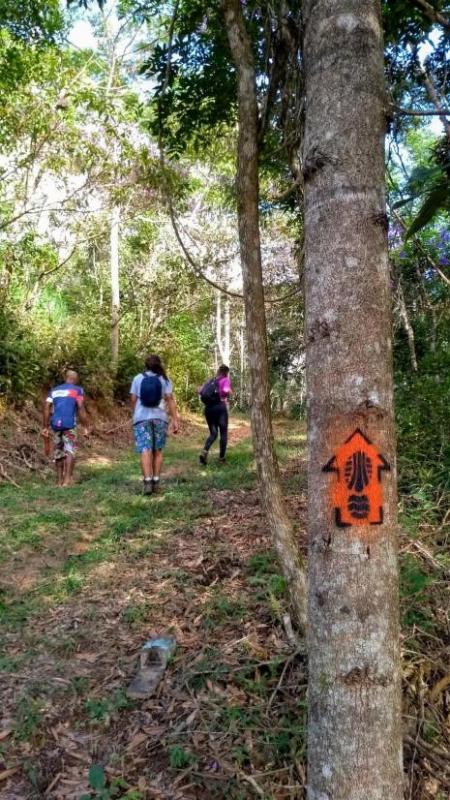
{"points": [[148, 487], [203, 457]]}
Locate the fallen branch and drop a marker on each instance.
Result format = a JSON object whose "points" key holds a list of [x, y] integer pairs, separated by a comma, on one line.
{"points": [[6, 477]]}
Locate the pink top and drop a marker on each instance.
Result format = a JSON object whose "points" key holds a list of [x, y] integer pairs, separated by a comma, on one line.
{"points": [[224, 387]]}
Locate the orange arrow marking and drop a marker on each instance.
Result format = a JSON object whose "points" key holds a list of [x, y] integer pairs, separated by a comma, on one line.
{"points": [[357, 494]]}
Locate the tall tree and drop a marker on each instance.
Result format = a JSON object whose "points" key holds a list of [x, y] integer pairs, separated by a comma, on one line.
{"points": [[247, 186], [115, 285], [354, 689]]}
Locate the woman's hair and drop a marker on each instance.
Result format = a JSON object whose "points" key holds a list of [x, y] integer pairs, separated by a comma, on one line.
{"points": [[223, 371], [154, 364]]}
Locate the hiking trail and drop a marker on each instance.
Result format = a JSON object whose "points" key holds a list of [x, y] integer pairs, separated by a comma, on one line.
{"points": [[89, 573]]}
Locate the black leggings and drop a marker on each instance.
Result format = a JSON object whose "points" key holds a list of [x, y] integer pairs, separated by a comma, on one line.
{"points": [[217, 419]]}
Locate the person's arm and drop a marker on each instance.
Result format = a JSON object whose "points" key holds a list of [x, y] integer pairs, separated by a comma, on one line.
{"points": [[134, 392], [84, 419], [173, 412], [225, 390], [46, 412]]}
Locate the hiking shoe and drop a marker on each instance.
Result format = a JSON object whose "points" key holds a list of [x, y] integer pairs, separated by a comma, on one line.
{"points": [[156, 487], [222, 460], [203, 458], [148, 487]]}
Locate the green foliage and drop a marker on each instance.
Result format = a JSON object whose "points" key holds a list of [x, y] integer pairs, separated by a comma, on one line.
{"points": [[413, 579], [28, 717], [431, 181], [423, 421], [219, 609], [179, 758], [135, 615], [100, 709], [102, 789]]}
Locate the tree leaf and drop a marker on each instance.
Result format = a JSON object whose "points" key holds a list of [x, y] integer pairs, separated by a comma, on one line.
{"points": [[97, 777], [436, 200]]}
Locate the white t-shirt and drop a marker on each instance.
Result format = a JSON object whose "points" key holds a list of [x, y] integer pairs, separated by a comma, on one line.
{"points": [[143, 413]]}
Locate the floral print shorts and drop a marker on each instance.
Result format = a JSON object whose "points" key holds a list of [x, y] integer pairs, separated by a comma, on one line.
{"points": [[150, 435]]}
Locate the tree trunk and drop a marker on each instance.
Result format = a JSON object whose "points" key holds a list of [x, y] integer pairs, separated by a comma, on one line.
{"points": [[247, 185], [223, 328], [115, 286], [226, 333], [354, 732], [408, 328], [242, 364], [219, 323]]}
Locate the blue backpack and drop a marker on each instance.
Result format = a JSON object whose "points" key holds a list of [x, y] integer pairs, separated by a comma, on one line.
{"points": [[150, 391]]}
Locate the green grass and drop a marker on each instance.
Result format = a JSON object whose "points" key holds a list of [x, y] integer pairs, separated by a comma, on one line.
{"points": [[105, 505]]}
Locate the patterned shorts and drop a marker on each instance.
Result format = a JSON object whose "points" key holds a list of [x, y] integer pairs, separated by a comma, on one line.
{"points": [[64, 443], [150, 435]]}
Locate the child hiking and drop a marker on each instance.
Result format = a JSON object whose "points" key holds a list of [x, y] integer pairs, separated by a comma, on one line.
{"points": [[215, 394], [153, 402]]}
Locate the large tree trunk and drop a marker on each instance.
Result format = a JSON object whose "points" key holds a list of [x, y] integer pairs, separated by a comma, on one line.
{"points": [[115, 286], [249, 239], [354, 734]]}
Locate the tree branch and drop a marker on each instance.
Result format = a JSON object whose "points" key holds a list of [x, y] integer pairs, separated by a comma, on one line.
{"points": [[411, 112], [432, 13]]}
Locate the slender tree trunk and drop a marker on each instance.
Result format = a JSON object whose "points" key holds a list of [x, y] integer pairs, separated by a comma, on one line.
{"points": [[227, 333], [250, 247], [408, 328], [354, 732], [241, 363], [115, 285], [223, 328], [219, 323]]}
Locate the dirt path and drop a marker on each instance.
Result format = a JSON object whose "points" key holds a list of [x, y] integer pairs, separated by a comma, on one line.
{"points": [[87, 577]]}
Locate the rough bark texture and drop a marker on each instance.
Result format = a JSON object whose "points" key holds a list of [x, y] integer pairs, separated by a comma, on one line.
{"points": [[115, 285], [247, 184], [354, 733]]}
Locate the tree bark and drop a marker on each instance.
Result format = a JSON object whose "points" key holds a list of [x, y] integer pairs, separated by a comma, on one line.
{"points": [[354, 731], [115, 286], [247, 185]]}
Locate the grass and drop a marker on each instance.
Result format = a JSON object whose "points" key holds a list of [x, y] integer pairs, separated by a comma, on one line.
{"points": [[61, 548], [107, 515]]}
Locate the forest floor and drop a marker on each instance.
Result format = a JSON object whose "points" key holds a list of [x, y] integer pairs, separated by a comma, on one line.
{"points": [[88, 574]]}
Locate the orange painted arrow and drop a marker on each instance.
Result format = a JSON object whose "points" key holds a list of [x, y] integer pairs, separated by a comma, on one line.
{"points": [[357, 494]]}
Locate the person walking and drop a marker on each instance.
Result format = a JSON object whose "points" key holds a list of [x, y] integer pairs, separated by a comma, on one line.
{"points": [[215, 395], [153, 402], [62, 408]]}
